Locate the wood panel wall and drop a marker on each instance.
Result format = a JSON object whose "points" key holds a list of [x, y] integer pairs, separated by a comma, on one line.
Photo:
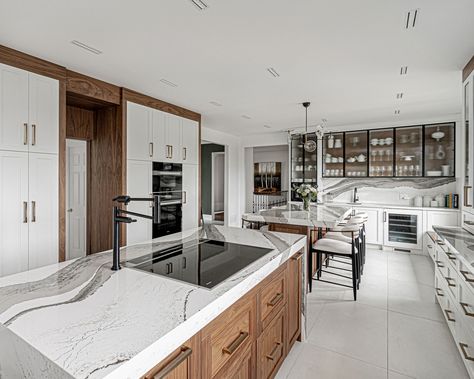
{"points": [[80, 123], [468, 69]]}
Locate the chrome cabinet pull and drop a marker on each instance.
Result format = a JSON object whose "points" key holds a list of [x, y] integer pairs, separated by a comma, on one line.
{"points": [[25, 134], [150, 149], [384, 216], [168, 154], [463, 347], [171, 148], [184, 153], [168, 369], [439, 292], [466, 278], [185, 197], [184, 262], [449, 283], [465, 307], [25, 212], [450, 255], [272, 356], [236, 343], [466, 189], [439, 264], [33, 135], [447, 312], [33, 211]]}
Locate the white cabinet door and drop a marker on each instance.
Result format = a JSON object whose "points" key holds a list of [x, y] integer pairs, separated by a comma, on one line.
{"points": [[13, 212], [13, 108], [190, 196], [173, 137], [139, 184], [374, 227], [43, 114], [43, 210], [403, 228], [434, 217], [190, 141], [139, 132], [160, 150]]}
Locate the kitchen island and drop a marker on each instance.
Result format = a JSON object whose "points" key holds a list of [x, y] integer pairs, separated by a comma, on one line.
{"points": [[83, 320]]}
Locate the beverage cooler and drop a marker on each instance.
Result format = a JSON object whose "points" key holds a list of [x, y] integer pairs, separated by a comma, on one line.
{"points": [[403, 229]]}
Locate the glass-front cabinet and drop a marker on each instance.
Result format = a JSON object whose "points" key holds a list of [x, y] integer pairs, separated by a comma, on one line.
{"points": [[439, 149], [333, 155], [356, 153], [381, 149], [409, 151], [303, 163], [468, 141]]}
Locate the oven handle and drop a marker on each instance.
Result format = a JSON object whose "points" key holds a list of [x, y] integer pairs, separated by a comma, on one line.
{"points": [[168, 173], [171, 202]]}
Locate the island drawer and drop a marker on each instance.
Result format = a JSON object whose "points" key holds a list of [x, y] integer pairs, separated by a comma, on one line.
{"points": [[228, 337], [272, 297]]}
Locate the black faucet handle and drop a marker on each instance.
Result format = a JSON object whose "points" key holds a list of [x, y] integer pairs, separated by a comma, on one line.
{"points": [[126, 220], [123, 199]]}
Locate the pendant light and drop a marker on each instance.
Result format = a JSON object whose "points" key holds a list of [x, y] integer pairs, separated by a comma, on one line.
{"points": [[309, 145]]}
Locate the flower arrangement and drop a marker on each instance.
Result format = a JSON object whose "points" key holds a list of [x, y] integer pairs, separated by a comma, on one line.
{"points": [[308, 193]]}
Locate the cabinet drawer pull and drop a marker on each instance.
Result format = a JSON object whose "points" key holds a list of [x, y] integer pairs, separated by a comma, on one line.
{"points": [[449, 283], [466, 189], [447, 312], [429, 246], [33, 211], [439, 264], [25, 134], [185, 198], [463, 347], [272, 356], [33, 137], [466, 278], [236, 343], [465, 307], [450, 256], [165, 371], [150, 149], [25, 212], [439, 292], [171, 149], [276, 299], [184, 153]]}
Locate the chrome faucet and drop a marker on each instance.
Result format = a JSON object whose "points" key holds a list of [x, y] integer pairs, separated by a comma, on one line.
{"points": [[355, 198]]}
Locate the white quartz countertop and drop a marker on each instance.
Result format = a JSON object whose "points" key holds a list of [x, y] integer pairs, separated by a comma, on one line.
{"points": [[392, 206], [83, 320]]}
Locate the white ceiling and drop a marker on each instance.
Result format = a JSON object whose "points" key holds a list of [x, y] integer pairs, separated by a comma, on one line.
{"points": [[342, 55]]}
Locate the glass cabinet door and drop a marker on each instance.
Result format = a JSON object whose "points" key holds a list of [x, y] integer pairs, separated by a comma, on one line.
{"points": [[381, 150], [356, 154], [439, 149], [303, 164], [409, 151], [333, 155], [310, 163]]}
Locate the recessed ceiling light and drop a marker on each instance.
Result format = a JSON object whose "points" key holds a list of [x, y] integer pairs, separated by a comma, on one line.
{"points": [[215, 103], [272, 71], [397, 111], [400, 95], [246, 117], [403, 70], [267, 126], [201, 5], [411, 18], [90, 49], [168, 83]]}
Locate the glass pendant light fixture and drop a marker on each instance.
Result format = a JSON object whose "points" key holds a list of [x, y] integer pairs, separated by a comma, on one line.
{"points": [[309, 145]]}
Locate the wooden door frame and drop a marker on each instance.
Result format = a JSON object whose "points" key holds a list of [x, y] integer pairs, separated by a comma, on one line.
{"points": [[213, 157]]}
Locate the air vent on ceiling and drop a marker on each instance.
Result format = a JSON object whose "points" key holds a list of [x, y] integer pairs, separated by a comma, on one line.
{"points": [[267, 126], [411, 18], [199, 4], [403, 70], [88, 48], [168, 83], [246, 117], [215, 103], [400, 95], [273, 72], [397, 111]]}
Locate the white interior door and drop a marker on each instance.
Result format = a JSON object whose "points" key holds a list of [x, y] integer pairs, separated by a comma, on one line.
{"points": [[43, 114], [76, 202], [190, 217], [13, 212], [218, 179], [13, 108], [43, 209]]}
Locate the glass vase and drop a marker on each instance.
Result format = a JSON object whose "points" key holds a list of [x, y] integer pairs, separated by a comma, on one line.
{"points": [[306, 203]]}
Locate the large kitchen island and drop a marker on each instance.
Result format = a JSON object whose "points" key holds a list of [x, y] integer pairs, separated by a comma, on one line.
{"points": [[80, 319]]}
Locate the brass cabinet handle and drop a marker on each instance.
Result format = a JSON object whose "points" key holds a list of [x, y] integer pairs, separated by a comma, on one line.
{"points": [[439, 292], [463, 347], [276, 299], [465, 307], [236, 343], [449, 283], [447, 312], [185, 197], [25, 212], [184, 262], [171, 148], [25, 134], [439, 264], [450, 256], [429, 246], [150, 149], [384, 216], [466, 278], [168, 151], [33, 137], [165, 371], [33, 211], [184, 153], [271, 356], [466, 189]]}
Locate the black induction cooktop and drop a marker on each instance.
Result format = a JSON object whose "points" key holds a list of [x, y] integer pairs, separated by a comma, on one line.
{"points": [[205, 262]]}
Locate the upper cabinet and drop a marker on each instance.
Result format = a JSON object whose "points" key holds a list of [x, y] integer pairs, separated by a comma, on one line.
{"points": [[29, 111], [303, 163], [333, 155], [439, 149], [190, 141], [356, 153], [409, 151], [139, 135], [381, 149], [173, 138]]}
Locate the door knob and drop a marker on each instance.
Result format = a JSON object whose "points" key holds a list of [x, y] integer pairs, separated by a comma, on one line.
{"points": [[69, 210]]}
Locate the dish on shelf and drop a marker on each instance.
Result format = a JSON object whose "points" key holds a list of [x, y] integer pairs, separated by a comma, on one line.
{"points": [[374, 141], [433, 173], [437, 135], [388, 141], [340, 160], [337, 143], [334, 160], [351, 160], [361, 158], [407, 157]]}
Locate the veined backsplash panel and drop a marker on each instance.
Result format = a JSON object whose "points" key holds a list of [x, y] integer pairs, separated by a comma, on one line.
{"points": [[387, 190]]}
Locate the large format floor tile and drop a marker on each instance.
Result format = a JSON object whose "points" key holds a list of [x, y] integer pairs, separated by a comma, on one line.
{"points": [[410, 268]]}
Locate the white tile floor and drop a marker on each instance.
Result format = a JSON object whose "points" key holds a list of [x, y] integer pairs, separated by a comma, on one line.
{"points": [[395, 330]]}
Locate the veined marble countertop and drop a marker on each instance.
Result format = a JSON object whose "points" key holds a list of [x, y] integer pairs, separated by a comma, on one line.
{"points": [[319, 215], [90, 322], [391, 206], [459, 240]]}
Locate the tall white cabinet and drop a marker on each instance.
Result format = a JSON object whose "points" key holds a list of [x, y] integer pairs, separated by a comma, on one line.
{"points": [[156, 136], [29, 138]]}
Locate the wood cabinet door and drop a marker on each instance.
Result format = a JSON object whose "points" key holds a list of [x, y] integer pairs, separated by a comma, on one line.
{"points": [[173, 137], [43, 114], [43, 210], [190, 141], [13, 109], [295, 265], [190, 217], [139, 132], [13, 212]]}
